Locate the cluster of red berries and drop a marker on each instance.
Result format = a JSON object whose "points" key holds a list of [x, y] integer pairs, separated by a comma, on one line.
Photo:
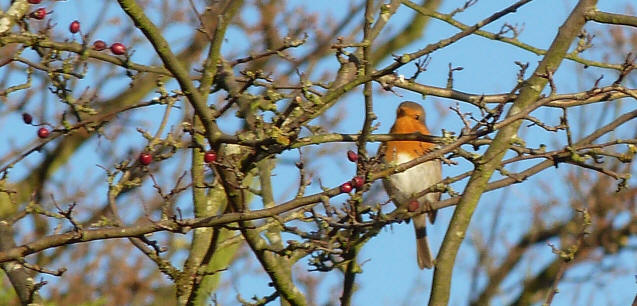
{"points": [[145, 158], [42, 132], [74, 27], [116, 48], [358, 181]]}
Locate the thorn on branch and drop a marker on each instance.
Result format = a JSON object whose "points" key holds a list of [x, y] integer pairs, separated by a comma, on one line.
{"points": [[538, 122], [627, 67], [549, 76], [37, 286], [304, 181], [466, 5], [596, 85], [421, 66], [585, 42], [622, 184], [206, 273], [387, 86], [467, 127], [153, 244], [68, 214], [564, 122], [450, 75], [180, 216], [287, 44], [157, 187], [506, 28], [259, 301], [523, 68], [202, 25]]}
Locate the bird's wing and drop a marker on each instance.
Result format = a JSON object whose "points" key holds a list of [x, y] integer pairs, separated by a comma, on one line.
{"points": [[434, 197], [438, 175], [392, 191]]}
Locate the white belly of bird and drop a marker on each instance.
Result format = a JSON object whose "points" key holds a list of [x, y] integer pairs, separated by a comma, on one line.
{"points": [[413, 180]]}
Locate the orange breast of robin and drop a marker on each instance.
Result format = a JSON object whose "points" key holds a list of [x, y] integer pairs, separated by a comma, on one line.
{"points": [[406, 125]]}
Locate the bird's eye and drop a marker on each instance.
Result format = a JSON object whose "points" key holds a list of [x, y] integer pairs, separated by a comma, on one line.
{"points": [[417, 117]]}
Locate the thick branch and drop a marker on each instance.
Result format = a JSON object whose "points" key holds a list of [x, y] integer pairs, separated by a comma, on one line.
{"points": [[171, 62], [610, 18], [491, 160]]}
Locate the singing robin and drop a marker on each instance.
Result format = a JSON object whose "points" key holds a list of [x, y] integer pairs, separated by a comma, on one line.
{"points": [[401, 187]]}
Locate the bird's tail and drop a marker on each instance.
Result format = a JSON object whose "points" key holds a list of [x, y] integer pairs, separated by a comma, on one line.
{"points": [[425, 258]]}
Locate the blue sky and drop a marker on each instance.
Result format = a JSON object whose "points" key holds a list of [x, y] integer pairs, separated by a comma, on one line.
{"points": [[390, 270]]}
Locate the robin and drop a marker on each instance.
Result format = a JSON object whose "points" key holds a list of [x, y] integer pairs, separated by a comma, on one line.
{"points": [[401, 187]]}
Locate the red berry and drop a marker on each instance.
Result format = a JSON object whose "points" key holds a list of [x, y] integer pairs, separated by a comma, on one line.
{"points": [[413, 206], [118, 49], [352, 156], [43, 132], [39, 13], [210, 157], [99, 45], [74, 27], [35, 1], [145, 159], [27, 118], [358, 182], [346, 187]]}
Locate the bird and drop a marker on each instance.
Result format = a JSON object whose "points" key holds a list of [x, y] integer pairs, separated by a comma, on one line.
{"points": [[402, 187]]}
